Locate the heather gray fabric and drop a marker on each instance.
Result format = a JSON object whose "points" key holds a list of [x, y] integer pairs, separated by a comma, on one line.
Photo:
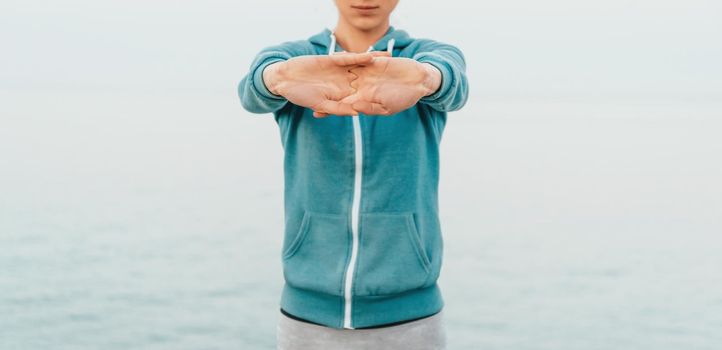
{"points": [[424, 334]]}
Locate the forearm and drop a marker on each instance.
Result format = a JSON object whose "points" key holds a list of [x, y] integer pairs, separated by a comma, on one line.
{"points": [[432, 79], [272, 76], [454, 90], [254, 96]]}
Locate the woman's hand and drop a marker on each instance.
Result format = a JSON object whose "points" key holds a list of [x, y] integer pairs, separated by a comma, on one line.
{"points": [[389, 85], [318, 82]]}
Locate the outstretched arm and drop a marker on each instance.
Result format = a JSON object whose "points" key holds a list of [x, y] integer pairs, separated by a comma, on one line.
{"points": [[254, 94], [287, 73], [318, 82], [393, 84], [434, 76], [454, 90]]}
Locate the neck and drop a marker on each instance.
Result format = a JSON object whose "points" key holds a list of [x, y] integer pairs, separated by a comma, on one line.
{"points": [[352, 39]]}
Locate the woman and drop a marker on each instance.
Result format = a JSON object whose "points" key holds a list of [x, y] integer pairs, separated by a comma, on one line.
{"points": [[361, 110]]}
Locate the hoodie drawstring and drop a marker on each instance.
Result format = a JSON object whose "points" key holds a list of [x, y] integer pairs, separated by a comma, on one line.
{"points": [[332, 47], [390, 46]]}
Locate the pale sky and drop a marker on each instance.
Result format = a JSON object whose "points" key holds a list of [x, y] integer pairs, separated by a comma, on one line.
{"points": [[666, 47], [580, 181]]}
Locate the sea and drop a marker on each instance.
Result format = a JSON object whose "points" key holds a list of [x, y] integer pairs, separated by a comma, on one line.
{"points": [[154, 220]]}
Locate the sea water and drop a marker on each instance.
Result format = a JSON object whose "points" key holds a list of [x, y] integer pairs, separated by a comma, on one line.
{"points": [[154, 221]]}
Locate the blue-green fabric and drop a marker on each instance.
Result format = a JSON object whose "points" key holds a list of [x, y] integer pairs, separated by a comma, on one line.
{"points": [[400, 245]]}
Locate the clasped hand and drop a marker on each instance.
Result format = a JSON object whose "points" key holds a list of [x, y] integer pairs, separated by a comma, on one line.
{"points": [[347, 83]]}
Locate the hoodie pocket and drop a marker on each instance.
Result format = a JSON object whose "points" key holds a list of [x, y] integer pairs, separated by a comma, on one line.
{"points": [[391, 257], [316, 257]]}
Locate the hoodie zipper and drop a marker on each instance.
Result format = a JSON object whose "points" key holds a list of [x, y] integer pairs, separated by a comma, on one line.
{"points": [[355, 206], [354, 219]]}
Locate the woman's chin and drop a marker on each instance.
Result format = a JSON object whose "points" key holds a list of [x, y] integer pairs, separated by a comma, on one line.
{"points": [[366, 23]]}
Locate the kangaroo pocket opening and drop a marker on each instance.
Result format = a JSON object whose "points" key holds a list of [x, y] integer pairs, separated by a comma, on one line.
{"points": [[391, 257], [315, 259]]}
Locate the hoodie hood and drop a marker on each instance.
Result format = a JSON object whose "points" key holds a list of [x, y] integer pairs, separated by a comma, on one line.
{"points": [[398, 38]]}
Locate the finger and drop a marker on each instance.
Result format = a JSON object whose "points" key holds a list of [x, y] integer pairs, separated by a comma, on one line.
{"points": [[370, 108], [355, 76], [362, 70], [335, 107], [381, 53], [356, 70], [373, 53], [320, 114], [350, 99], [351, 58]]}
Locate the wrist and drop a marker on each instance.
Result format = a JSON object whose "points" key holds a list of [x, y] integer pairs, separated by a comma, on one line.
{"points": [[432, 78], [272, 77]]}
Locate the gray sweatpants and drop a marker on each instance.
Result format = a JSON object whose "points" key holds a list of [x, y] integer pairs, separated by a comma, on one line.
{"points": [[424, 334]]}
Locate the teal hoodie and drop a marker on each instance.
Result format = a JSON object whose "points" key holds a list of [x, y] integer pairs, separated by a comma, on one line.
{"points": [[362, 240]]}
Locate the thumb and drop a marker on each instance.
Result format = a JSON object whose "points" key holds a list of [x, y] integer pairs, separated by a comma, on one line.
{"points": [[380, 53], [350, 58], [370, 108], [350, 99]]}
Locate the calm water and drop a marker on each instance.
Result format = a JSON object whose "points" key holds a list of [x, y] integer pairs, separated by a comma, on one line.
{"points": [[155, 223]]}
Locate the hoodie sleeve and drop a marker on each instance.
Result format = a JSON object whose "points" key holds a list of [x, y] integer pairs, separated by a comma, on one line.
{"points": [[454, 89], [255, 96]]}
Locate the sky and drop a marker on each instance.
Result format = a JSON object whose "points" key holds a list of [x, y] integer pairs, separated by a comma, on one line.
{"points": [[520, 47]]}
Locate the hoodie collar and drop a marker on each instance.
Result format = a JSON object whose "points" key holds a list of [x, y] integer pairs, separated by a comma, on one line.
{"points": [[400, 39]]}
